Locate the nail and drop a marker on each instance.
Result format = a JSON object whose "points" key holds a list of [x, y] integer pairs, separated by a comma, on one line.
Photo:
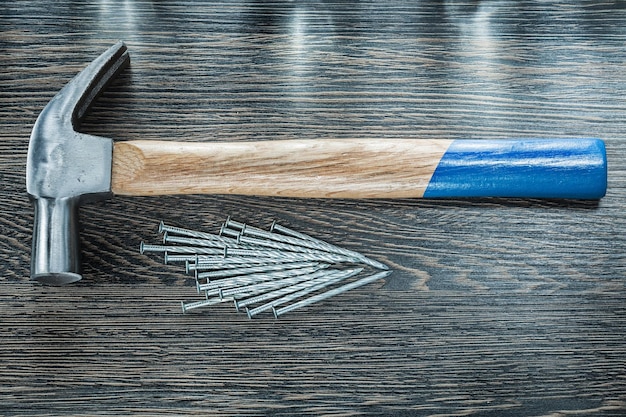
{"points": [[330, 293], [254, 269], [245, 230], [206, 264], [311, 280], [256, 288], [163, 228], [251, 253], [207, 261], [328, 246], [307, 243], [231, 223], [232, 234], [180, 249], [255, 278], [282, 229], [214, 242], [285, 246], [204, 303], [288, 256], [332, 278]]}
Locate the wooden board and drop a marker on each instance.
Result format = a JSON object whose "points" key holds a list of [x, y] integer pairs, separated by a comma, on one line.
{"points": [[496, 307]]}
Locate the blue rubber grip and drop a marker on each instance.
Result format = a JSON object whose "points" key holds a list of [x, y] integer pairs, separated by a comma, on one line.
{"points": [[536, 168]]}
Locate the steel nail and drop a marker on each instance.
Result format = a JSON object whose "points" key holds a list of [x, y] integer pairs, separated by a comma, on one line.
{"points": [[310, 281], [207, 261], [289, 256], [332, 278], [328, 246], [213, 242], [256, 288], [204, 303], [246, 230], [231, 223], [208, 264], [182, 250], [286, 231], [330, 293], [254, 269], [232, 234], [290, 247], [163, 228], [255, 278]]}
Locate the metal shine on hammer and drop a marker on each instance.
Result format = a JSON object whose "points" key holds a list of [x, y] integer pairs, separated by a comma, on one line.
{"points": [[66, 168]]}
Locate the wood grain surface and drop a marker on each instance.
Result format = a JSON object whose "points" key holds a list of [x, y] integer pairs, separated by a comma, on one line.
{"points": [[321, 168], [496, 307]]}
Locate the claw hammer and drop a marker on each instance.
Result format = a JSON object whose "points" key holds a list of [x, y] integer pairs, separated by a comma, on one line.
{"points": [[66, 168]]}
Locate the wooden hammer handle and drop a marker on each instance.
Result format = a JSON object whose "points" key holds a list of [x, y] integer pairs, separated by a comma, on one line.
{"points": [[362, 168]]}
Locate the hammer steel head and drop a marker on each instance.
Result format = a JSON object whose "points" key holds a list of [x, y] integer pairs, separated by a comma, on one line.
{"points": [[65, 168]]}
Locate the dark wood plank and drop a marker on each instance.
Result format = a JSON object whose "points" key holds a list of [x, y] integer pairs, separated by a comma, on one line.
{"points": [[495, 307]]}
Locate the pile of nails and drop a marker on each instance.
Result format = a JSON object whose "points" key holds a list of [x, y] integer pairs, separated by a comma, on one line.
{"points": [[278, 271]]}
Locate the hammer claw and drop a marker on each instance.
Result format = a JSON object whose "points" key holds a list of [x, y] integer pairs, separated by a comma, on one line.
{"points": [[91, 82]]}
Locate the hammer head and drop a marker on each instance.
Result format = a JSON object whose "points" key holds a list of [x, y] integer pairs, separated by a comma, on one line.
{"points": [[65, 168]]}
